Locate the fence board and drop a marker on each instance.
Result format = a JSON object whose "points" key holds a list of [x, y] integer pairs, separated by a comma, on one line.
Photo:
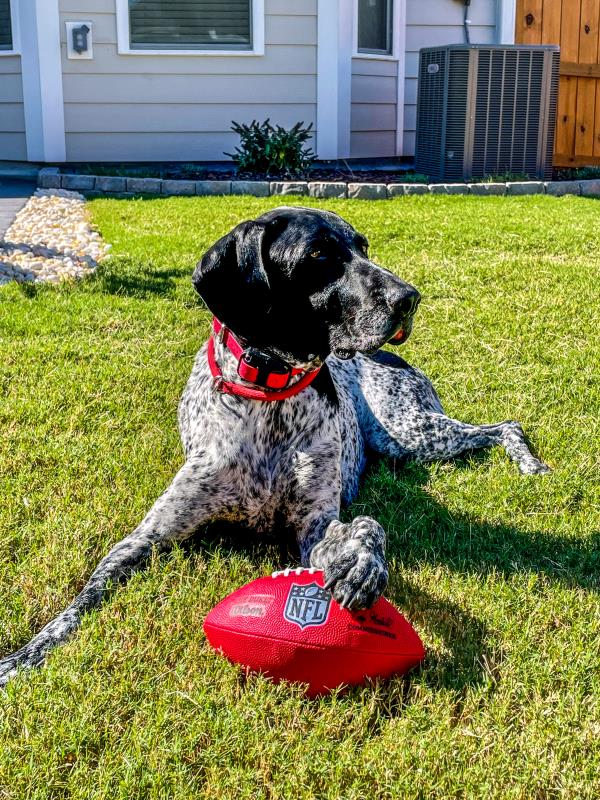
{"points": [[596, 151], [585, 116], [567, 96], [551, 21], [529, 21], [580, 70]]}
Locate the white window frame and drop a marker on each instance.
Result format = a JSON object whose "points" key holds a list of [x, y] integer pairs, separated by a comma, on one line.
{"points": [[15, 30], [393, 56], [258, 36]]}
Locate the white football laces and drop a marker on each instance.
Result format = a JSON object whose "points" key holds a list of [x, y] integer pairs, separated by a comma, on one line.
{"points": [[297, 571]]}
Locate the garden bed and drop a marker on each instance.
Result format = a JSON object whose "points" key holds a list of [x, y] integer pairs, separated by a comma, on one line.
{"points": [[375, 172]]}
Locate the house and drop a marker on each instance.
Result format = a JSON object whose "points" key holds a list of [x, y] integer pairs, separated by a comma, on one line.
{"points": [[145, 80]]}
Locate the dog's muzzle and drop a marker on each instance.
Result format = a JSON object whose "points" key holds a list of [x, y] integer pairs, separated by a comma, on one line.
{"points": [[404, 308]]}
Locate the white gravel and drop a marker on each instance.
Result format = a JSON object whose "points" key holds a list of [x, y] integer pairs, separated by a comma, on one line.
{"points": [[51, 240]]}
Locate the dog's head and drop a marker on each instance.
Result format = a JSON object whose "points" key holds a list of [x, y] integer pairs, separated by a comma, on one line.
{"points": [[299, 282]]}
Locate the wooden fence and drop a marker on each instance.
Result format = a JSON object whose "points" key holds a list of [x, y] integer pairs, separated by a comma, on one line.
{"points": [[575, 26]]}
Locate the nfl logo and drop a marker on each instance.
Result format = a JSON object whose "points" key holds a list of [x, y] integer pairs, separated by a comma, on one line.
{"points": [[307, 605]]}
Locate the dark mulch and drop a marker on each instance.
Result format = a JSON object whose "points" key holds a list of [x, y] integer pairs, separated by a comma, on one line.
{"points": [[345, 175], [395, 172], [348, 173]]}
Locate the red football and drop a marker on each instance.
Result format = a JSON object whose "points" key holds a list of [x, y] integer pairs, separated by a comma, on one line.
{"points": [[288, 627]]}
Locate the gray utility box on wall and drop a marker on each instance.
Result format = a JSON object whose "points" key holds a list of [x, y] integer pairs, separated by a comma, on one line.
{"points": [[486, 110]]}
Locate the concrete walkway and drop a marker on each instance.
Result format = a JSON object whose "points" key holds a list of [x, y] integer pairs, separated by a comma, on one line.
{"points": [[13, 196]]}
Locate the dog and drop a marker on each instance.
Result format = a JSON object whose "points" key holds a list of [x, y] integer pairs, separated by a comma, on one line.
{"points": [[283, 404]]}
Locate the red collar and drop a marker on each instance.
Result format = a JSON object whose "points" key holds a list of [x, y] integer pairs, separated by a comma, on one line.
{"points": [[256, 367]]}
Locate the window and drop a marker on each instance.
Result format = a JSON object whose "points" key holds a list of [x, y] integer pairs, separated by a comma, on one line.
{"points": [[190, 24], [6, 39], [375, 27]]}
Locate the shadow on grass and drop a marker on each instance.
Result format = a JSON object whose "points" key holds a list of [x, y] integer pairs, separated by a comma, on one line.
{"points": [[428, 533], [124, 280]]}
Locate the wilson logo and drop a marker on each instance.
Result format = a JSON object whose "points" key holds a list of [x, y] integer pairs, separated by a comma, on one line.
{"points": [[256, 605], [307, 605]]}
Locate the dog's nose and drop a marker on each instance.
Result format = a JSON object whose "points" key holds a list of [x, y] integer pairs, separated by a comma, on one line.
{"points": [[403, 299]]}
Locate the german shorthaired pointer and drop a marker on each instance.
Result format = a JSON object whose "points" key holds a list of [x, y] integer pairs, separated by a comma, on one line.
{"points": [[282, 404]]}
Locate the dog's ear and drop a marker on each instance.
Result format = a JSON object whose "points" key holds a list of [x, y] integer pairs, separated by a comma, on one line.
{"points": [[232, 281]]}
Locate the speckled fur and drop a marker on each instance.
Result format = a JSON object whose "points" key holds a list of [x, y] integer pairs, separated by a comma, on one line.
{"points": [[291, 465]]}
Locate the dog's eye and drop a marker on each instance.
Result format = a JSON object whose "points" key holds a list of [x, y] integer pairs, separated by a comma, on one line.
{"points": [[316, 254], [364, 247]]}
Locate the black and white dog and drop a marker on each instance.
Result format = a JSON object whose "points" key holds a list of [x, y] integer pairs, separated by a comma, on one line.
{"points": [[283, 404]]}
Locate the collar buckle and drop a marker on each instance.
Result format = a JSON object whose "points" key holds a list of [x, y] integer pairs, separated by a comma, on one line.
{"points": [[264, 369]]}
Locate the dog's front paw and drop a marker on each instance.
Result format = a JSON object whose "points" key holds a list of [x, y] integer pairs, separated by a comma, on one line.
{"points": [[8, 669], [25, 658], [518, 447], [6, 673], [352, 558], [534, 467]]}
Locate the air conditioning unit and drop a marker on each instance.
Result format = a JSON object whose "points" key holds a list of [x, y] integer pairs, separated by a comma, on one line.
{"points": [[486, 110]]}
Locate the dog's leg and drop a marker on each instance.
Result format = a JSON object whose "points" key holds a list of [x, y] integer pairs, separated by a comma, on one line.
{"points": [[401, 416], [187, 503], [352, 556], [432, 436]]}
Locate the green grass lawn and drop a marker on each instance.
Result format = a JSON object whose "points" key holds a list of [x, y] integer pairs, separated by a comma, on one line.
{"points": [[498, 572]]}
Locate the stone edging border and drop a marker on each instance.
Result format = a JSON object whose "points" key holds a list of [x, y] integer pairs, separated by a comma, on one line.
{"points": [[106, 186]]}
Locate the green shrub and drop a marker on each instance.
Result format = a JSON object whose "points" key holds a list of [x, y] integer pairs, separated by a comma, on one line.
{"points": [[413, 177], [503, 177], [272, 151], [579, 174]]}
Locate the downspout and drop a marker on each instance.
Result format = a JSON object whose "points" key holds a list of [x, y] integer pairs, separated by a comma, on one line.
{"points": [[467, 22]]}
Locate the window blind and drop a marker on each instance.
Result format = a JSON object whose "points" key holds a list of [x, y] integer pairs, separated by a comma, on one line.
{"points": [[375, 26], [6, 42], [189, 24]]}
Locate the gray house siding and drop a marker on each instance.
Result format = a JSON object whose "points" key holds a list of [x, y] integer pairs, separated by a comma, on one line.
{"points": [[374, 115], [436, 22], [13, 146], [149, 107], [374, 81], [180, 107]]}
